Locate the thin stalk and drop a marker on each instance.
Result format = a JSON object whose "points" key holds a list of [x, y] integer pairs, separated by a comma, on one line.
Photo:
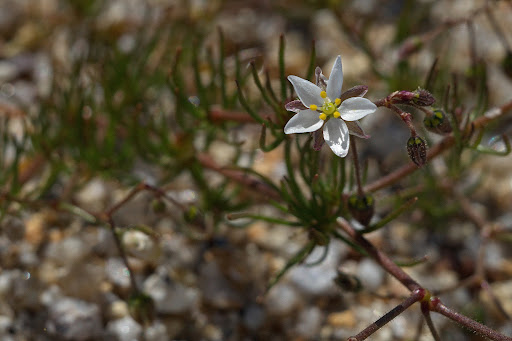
{"points": [[436, 150], [282, 68], [437, 306], [428, 320], [390, 217], [356, 166], [416, 296], [379, 256], [122, 253]]}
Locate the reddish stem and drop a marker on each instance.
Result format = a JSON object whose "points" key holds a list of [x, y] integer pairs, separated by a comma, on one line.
{"points": [[437, 306], [417, 295]]}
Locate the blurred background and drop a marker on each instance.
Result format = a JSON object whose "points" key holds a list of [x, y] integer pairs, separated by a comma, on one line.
{"points": [[99, 96]]}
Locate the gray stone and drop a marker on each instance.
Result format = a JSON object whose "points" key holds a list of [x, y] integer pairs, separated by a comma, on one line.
{"points": [[125, 329], [318, 279], [73, 319], [371, 274], [170, 297]]}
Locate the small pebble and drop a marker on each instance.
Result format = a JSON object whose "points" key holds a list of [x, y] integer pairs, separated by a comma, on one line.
{"points": [[170, 297], [309, 323], [282, 299], [125, 329], [370, 274], [73, 319], [345, 319]]}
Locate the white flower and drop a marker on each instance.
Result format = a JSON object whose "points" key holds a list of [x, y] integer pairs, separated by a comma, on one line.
{"points": [[323, 105]]}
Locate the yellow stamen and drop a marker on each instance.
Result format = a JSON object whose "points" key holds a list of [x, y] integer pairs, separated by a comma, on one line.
{"points": [[336, 114], [337, 101], [323, 94], [322, 117], [313, 107]]}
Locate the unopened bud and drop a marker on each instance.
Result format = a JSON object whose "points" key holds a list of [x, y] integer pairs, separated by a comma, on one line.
{"points": [[319, 237], [420, 97], [142, 308], [194, 216], [348, 282], [158, 206], [507, 63], [438, 122], [417, 150], [423, 98], [361, 207]]}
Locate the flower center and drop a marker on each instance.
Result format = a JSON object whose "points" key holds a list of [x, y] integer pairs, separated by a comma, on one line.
{"points": [[328, 108]]}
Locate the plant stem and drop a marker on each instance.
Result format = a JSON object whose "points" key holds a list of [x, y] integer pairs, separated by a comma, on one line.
{"points": [[416, 296], [428, 319], [356, 166], [437, 306], [436, 150], [379, 256]]}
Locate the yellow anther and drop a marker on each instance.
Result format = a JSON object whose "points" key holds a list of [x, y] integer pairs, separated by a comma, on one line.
{"points": [[337, 101], [336, 114], [323, 94], [313, 107], [322, 117]]}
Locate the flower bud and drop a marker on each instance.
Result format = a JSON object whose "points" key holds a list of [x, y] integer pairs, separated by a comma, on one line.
{"points": [[158, 205], [420, 97], [507, 63], [348, 282], [423, 98], [194, 216], [361, 207], [438, 122], [319, 237], [417, 150], [142, 308]]}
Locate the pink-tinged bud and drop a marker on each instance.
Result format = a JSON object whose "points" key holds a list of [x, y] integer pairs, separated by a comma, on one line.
{"points": [[420, 97], [417, 150], [423, 98], [437, 122], [361, 207]]}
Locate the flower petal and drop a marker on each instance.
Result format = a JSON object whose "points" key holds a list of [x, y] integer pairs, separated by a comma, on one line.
{"points": [[308, 92], [305, 121], [295, 106], [355, 108], [335, 80], [336, 136], [354, 128]]}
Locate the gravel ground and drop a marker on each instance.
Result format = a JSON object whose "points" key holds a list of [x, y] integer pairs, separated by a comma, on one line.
{"points": [[62, 278]]}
